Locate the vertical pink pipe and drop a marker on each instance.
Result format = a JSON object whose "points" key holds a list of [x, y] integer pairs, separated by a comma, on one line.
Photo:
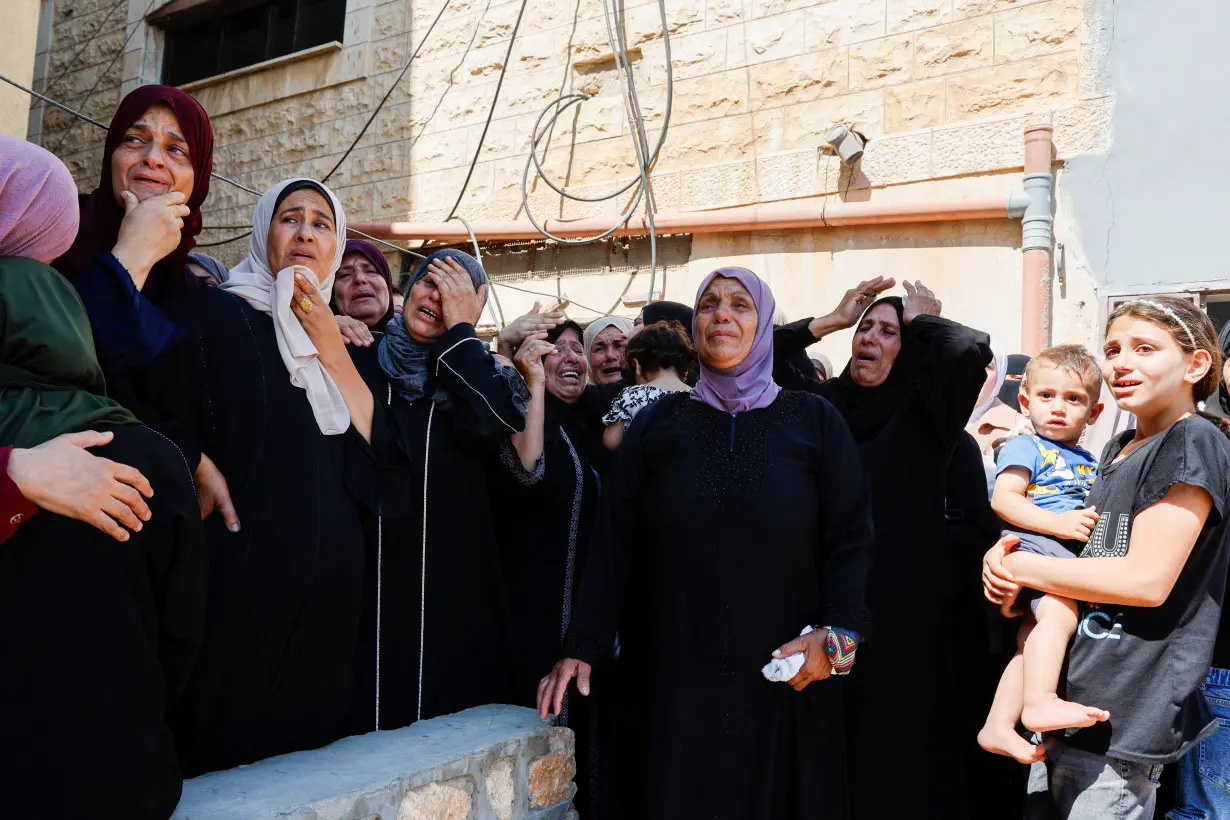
{"points": [[1035, 274]]}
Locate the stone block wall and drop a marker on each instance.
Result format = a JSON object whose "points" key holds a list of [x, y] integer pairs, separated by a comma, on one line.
{"points": [[489, 763]]}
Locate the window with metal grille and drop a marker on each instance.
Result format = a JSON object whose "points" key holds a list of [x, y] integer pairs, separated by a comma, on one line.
{"points": [[222, 37]]}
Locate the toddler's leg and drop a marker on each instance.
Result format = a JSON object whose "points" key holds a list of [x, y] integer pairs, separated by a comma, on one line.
{"points": [[999, 734], [1043, 656]]}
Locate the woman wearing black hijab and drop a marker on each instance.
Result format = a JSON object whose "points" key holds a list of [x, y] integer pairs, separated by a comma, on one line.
{"points": [[912, 381]]}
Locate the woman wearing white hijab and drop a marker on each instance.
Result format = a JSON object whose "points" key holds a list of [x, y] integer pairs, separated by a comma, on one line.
{"points": [[264, 384]]}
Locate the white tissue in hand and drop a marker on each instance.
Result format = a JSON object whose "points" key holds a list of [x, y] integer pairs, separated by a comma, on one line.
{"points": [[781, 670]]}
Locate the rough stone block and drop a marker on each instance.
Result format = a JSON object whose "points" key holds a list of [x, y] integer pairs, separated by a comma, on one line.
{"points": [[444, 149], [768, 8], [881, 62], [644, 23], [482, 64], [787, 175], [497, 24], [358, 27], [800, 79], [893, 160], [1083, 128], [724, 12], [736, 47], [974, 8], [844, 22], [914, 106], [530, 93], [805, 125], [101, 49], [954, 47], [719, 186], [692, 55], [1036, 30], [774, 38], [388, 20], [438, 801], [501, 787], [1032, 85], [537, 50], [706, 143], [702, 98], [550, 780], [910, 15], [390, 53], [980, 147]]}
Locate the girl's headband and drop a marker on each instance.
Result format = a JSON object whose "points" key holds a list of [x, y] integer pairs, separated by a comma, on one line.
{"points": [[1169, 312]]}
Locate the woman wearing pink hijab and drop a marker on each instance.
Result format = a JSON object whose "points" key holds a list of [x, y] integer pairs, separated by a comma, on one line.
{"points": [[767, 532]]}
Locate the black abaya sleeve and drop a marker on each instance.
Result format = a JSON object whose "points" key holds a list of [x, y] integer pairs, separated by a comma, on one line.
{"points": [[464, 366], [792, 369], [604, 581], [846, 535], [951, 369]]}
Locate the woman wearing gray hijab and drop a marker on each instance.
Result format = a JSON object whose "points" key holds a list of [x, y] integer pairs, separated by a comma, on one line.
{"points": [[434, 589], [207, 270]]}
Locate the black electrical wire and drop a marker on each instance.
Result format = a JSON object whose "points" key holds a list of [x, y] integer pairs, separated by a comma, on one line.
{"points": [[388, 93], [68, 67], [490, 112], [103, 73]]}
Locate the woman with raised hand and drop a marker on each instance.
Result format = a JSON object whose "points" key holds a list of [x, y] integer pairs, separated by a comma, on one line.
{"points": [[97, 638], [733, 517], [434, 590], [265, 384], [907, 393]]}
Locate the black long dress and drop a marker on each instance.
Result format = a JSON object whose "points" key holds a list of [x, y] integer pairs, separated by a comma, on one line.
{"points": [[900, 722], [719, 538], [428, 623], [98, 641], [546, 518], [276, 670]]}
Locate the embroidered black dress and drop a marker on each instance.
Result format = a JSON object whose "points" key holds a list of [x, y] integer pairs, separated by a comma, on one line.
{"points": [[718, 539]]}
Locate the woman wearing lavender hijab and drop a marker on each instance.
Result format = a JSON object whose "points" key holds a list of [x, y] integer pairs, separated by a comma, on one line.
{"points": [[767, 531]]}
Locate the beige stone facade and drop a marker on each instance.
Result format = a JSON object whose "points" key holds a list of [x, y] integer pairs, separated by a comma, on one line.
{"points": [[19, 40], [942, 88]]}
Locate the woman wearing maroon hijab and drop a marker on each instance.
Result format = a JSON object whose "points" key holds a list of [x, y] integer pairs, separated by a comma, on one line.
{"points": [[139, 224]]}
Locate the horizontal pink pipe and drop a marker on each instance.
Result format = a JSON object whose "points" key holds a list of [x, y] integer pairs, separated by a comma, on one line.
{"points": [[771, 217]]}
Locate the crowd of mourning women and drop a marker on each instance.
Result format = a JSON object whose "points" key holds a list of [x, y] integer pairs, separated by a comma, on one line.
{"points": [[251, 511]]}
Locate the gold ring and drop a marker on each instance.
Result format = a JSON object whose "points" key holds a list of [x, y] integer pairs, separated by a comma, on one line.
{"points": [[306, 304]]}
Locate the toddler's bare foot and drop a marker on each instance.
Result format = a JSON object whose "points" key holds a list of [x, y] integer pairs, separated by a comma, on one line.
{"points": [[1003, 740], [1055, 714]]}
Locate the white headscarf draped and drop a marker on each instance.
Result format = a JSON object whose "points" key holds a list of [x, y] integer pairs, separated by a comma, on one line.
{"points": [[595, 327], [1001, 372], [252, 280]]}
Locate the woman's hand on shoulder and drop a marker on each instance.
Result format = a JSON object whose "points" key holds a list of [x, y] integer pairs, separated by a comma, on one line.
{"points": [[355, 332], [552, 688], [919, 301], [62, 477], [318, 321]]}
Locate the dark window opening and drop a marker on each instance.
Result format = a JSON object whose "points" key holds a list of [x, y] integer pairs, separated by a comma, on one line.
{"points": [[237, 35]]}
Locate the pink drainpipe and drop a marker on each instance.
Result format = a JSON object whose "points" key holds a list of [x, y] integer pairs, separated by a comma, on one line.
{"points": [[1033, 206]]}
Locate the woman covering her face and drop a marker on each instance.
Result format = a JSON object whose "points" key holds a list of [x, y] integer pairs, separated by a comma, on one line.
{"points": [[71, 597], [733, 517], [434, 589], [264, 384]]}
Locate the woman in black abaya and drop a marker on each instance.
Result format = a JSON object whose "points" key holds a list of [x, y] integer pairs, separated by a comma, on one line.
{"points": [[434, 590], [731, 518], [907, 394]]}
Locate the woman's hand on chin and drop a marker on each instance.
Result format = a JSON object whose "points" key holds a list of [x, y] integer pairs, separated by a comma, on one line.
{"points": [[318, 321], [149, 232]]}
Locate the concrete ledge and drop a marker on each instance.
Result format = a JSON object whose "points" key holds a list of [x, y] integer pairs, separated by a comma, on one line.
{"points": [[489, 763]]}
